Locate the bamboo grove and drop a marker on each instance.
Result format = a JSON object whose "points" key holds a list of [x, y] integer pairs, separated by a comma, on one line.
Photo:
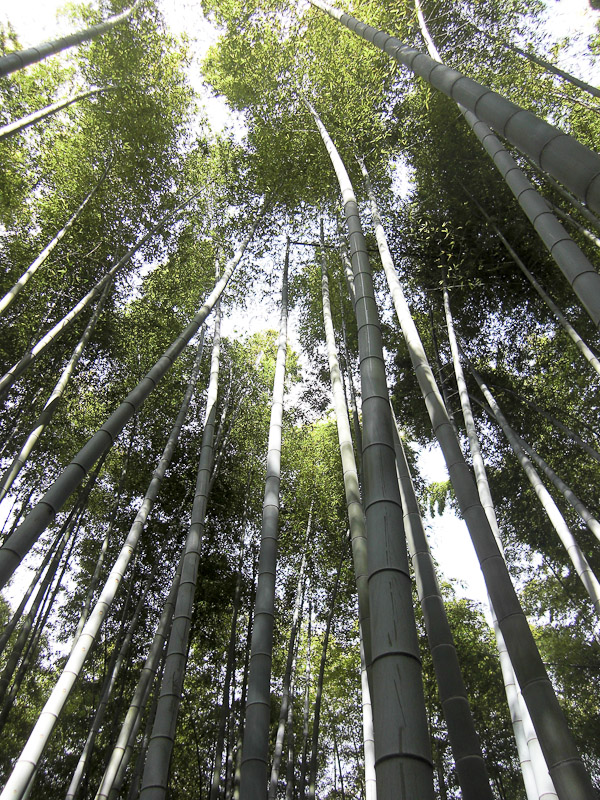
{"points": [[224, 351]]}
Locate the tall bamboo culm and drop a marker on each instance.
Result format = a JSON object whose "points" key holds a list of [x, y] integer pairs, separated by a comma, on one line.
{"points": [[253, 781], [570, 259], [576, 556], [356, 516], [112, 673], [574, 165], [536, 778], [43, 113], [464, 740], [224, 711], [40, 516], [38, 348], [121, 753], [51, 405], [289, 666], [155, 779], [577, 340], [26, 765], [24, 58], [402, 750], [566, 767], [314, 750], [12, 293]]}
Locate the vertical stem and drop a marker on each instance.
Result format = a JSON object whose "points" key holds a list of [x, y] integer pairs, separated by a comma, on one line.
{"points": [[247, 650], [51, 405], [356, 516], [156, 771], [464, 740], [402, 750], [355, 418], [123, 748], [289, 667], [367, 723], [8, 298], [113, 671], [28, 760], [24, 58], [566, 767], [577, 340], [438, 361], [43, 113], [339, 762], [224, 711], [578, 559], [574, 165], [289, 772], [314, 754], [258, 707], [74, 473], [533, 764], [306, 710], [85, 609]]}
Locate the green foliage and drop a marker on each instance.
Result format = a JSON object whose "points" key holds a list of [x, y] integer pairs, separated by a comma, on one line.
{"points": [[158, 150], [437, 495]]}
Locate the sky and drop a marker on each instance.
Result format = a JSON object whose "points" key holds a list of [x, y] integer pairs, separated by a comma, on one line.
{"points": [[39, 20], [35, 20]]}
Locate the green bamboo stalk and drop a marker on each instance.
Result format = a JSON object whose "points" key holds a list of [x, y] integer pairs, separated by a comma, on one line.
{"points": [[583, 278], [12, 293], [12, 517], [290, 761], [354, 508], [566, 491], [353, 403], [136, 778], [577, 340], [566, 768], [574, 165], [67, 531], [113, 671], [51, 405], [16, 617], [585, 212], [25, 766], [538, 783], [67, 321], [575, 223], [93, 584], [579, 561], [242, 704], [44, 590], [306, 709], [314, 752], [32, 644], [121, 753], [258, 706], [160, 747], [569, 432], [289, 666], [572, 262], [14, 550], [541, 62], [367, 724], [37, 116], [24, 58], [402, 750], [464, 739], [230, 665]]}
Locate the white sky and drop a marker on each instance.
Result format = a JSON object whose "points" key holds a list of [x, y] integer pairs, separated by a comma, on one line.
{"points": [[38, 20]]}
